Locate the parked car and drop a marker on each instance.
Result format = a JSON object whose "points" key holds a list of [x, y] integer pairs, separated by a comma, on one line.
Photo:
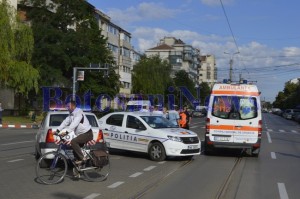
{"points": [[148, 133], [45, 141], [289, 113], [199, 113], [297, 117]]}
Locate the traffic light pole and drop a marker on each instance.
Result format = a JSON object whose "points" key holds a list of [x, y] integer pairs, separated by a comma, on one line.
{"points": [[75, 69]]}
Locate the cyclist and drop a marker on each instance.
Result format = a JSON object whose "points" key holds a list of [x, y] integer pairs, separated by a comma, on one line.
{"points": [[77, 122]]}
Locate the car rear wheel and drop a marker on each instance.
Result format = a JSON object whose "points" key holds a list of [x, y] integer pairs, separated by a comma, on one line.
{"points": [[157, 152]]}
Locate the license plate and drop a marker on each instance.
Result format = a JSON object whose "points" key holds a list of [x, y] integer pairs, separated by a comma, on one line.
{"points": [[192, 147], [221, 139]]}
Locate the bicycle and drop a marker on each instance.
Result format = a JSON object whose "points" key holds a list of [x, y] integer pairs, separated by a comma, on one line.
{"points": [[52, 167]]}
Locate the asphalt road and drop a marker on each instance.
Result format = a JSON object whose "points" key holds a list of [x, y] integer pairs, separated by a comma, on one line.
{"points": [[274, 174]]}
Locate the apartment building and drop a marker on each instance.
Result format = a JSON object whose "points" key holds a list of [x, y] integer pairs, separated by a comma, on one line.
{"points": [[119, 42], [208, 70], [185, 57]]}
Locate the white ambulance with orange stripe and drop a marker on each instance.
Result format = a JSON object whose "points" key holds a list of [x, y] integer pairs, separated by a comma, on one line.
{"points": [[234, 118]]}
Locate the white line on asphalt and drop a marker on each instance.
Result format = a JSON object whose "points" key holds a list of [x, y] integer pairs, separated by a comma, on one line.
{"points": [[149, 168], [116, 184], [270, 130], [269, 137], [282, 191], [294, 131], [136, 174], [273, 155], [17, 160], [281, 131], [17, 142], [162, 162], [92, 196]]}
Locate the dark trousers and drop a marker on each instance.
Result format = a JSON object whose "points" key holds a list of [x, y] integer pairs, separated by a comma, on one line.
{"points": [[79, 141]]}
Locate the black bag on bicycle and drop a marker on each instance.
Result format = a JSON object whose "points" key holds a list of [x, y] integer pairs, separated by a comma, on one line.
{"points": [[100, 158]]}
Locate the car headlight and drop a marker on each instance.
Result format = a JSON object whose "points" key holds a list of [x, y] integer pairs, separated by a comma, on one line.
{"points": [[174, 138]]}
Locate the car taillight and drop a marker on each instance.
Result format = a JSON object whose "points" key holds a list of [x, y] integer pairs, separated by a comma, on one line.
{"points": [[259, 128], [207, 126], [100, 136], [50, 136]]}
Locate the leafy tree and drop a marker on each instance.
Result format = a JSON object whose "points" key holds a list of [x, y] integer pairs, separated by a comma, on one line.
{"points": [[182, 79], [204, 92], [16, 46], [151, 75], [67, 35]]}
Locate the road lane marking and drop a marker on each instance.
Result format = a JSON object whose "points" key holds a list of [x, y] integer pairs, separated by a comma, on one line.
{"points": [[92, 196], [282, 131], [114, 185], [269, 137], [17, 142], [273, 155], [282, 191], [17, 160], [270, 130], [136, 174], [162, 162], [294, 131], [149, 168]]}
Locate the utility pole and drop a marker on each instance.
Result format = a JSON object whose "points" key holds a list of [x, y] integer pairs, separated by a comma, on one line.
{"points": [[230, 64], [92, 67]]}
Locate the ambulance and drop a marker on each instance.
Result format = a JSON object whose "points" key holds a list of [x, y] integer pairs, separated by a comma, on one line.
{"points": [[234, 118]]}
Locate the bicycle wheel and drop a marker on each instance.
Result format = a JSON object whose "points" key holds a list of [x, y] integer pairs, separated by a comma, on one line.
{"points": [[55, 171], [96, 174]]}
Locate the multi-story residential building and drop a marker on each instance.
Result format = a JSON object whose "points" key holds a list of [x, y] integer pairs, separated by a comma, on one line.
{"points": [[185, 57], [119, 42], [208, 70]]}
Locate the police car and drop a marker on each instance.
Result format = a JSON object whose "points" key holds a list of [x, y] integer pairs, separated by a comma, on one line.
{"points": [[149, 133], [47, 142]]}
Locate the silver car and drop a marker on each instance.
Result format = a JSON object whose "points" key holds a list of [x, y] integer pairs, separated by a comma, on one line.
{"points": [[46, 141]]}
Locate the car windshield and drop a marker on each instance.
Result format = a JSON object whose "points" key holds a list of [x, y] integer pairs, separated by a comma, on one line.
{"points": [[56, 119], [158, 122], [235, 107]]}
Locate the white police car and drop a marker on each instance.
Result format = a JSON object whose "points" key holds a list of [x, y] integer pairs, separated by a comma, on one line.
{"points": [[149, 133], [46, 141]]}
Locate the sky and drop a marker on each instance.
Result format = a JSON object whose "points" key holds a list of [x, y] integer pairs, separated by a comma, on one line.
{"points": [[262, 37]]}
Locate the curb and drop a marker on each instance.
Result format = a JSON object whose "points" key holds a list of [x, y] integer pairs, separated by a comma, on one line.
{"points": [[32, 126]]}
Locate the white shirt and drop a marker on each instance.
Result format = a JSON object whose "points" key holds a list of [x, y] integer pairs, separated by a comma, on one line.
{"points": [[73, 122]]}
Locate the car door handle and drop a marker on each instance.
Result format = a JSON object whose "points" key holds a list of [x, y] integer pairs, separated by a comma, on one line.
{"points": [[125, 131], [106, 129], [238, 126]]}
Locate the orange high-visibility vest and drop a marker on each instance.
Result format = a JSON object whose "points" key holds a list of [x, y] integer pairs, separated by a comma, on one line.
{"points": [[183, 121]]}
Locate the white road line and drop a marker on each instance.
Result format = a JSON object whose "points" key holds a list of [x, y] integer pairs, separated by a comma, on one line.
{"points": [[114, 185], [282, 131], [149, 168], [17, 160], [17, 142], [136, 174], [270, 130], [282, 191], [92, 196], [294, 131], [273, 155], [269, 137], [162, 162]]}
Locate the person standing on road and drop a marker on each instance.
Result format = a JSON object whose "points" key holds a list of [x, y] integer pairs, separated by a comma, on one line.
{"points": [[1, 113], [188, 117], [77, 122], [173, 116]]}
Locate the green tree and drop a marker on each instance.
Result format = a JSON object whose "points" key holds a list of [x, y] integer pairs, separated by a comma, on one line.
{"points": [[151, 75], [67, 35], [16, 46], [204, 92], [182, 79]]}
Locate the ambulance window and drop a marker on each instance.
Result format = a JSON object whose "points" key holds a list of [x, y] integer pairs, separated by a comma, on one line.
{"points": [[248, 107], [222, 106], [115, 120]]}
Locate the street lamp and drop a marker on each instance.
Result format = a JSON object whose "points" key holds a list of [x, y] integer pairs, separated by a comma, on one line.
{"points": [[231, 63]]}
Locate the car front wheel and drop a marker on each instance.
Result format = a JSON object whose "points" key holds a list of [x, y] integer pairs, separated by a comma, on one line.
{"points": [[157, 152]]}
